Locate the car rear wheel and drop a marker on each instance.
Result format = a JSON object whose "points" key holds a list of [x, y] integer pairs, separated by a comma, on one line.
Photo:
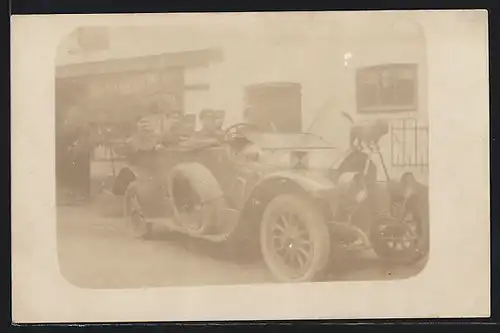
{"points": [[137, 225], [294, 239]]}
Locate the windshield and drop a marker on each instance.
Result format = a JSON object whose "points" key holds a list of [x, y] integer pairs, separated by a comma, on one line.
{"points": [[328, 122], [279, 149], [324, 137], [287, 141]]}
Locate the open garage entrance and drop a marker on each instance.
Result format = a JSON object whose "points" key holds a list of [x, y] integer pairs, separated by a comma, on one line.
{"points": [[107, 97]]}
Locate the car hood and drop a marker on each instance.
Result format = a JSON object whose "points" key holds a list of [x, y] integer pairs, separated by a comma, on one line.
{"points": [[287, 141], [290, 150]]}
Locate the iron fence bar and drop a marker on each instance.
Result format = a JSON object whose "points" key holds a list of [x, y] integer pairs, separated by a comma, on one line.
{"points": [[392, 145], [416, 143], [418, 148], [404, 141]]}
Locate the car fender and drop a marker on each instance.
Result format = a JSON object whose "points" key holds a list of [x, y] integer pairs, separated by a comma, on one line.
{"points": [[313, 184], [124, 177]]}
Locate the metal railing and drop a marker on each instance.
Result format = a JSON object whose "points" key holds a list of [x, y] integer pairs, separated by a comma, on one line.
{"points": [[409, 143]]}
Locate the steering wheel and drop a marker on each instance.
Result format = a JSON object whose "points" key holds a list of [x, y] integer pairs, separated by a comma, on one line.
{"points": [[234, 131]]}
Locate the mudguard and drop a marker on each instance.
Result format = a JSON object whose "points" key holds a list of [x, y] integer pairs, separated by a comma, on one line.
{"points": [[126, 175], [123, 179], [314, 184]]}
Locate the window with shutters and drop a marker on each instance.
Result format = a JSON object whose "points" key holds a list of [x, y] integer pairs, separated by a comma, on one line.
{"points": [[387, 88]]}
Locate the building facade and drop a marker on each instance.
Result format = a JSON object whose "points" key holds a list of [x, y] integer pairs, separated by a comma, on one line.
{"points": [[368, 64]]}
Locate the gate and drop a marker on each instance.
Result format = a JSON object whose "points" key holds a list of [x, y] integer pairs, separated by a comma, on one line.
{"points": [[409, 143]]}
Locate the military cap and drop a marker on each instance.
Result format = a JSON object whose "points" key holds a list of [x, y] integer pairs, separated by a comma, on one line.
{"points": [[174, 112], [220, 113], [210, 113], [153, 108]]}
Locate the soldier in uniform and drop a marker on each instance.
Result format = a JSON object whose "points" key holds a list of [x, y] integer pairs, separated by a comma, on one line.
{"points": [[146, 139], [172, 134], [142, 145], [211, 124], [143, 152], [219, 120], [78, 139]]}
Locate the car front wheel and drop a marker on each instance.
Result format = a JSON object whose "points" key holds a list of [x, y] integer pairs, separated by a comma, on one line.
{"points": [[403, 241], [294, 239]]}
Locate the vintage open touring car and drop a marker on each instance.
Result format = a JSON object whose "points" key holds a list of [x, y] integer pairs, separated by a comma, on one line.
{"points": [[292, 194]]}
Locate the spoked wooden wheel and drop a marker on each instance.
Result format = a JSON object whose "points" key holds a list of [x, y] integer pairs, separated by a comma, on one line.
{"points": [[190, 212], [137, 225], [400, 241], [295, 241]]}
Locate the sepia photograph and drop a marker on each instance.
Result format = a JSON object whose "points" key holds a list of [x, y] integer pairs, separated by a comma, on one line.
{"points": [[166, 159], [259, 149]]}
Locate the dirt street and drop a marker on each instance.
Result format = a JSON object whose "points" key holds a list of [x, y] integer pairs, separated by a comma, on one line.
{"points": [[96, 252]]}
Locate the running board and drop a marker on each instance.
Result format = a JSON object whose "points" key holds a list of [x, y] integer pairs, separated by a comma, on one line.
{"points": [[361, 243], [218, 237]]}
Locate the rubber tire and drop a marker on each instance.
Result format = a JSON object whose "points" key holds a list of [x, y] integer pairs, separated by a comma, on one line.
{"points": [[146, 229], [318, 230], [205, 186], [411, 257], [122, 181]]}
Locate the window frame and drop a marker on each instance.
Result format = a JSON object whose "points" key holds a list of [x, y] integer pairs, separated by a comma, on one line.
{"points": [[387, 108]]}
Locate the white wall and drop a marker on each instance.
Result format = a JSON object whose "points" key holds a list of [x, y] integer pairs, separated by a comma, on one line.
{"points": [[272, 48], [134, 41], [265, 47], [315, 59]]}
